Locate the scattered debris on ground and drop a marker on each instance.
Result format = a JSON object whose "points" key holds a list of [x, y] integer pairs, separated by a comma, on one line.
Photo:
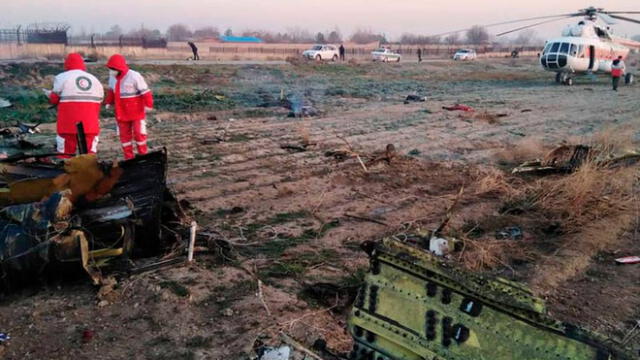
{"points": [[4, 103], [414, 98], [459, 107]]}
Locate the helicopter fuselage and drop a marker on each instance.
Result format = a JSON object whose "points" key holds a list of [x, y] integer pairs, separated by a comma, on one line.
{"points": [[573, 54]]}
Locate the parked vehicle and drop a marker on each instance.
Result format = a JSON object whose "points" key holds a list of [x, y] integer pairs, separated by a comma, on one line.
{"points": [[385, 55], [322, 52], [465, 54]]}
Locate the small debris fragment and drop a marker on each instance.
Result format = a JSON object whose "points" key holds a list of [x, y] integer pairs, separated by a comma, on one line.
{"points": [[294, 148], [415, 98], [4, 103], [281, 353], [509, 233], [439, 246], [459, 107], [87, 335], [4, 337], [228, 312], [628, 260]]}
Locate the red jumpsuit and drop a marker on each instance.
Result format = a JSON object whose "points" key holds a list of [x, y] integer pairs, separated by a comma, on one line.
{"points": [[78, 95], [131, 97]]}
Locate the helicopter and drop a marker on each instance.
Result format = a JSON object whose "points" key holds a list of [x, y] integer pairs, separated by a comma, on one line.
{"points": [[585, 48]]}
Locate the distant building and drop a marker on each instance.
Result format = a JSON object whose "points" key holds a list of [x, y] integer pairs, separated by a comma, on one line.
{"points": [[240, 39]]}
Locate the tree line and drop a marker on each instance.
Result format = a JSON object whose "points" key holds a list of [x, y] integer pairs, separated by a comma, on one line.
{"points": [[182, 32]]}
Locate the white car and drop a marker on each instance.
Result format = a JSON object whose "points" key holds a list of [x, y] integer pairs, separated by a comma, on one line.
{"points": [[465, 54], [385, 55], [322, 52]]}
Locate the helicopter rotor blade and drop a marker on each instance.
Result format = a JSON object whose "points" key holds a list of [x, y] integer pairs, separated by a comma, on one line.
{"points": [[514, 22], [607, 19], [531, 25], [621, 12], [625, 19]]}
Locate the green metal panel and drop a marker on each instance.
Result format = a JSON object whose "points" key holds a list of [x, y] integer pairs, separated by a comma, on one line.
{"points": [[416, 306]]}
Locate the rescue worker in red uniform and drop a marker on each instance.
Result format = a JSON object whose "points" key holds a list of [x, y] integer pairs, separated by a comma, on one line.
{"points": [[131, 98], [78, 96]]}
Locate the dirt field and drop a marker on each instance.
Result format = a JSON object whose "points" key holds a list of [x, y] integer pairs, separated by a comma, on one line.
{"points": [[288, 192]]}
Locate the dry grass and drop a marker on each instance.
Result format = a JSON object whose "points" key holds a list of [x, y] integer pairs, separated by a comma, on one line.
{"points": [[524, 150], [589, 210]]}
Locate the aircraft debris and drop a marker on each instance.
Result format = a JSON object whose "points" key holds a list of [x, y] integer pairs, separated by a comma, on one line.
{"points": [[415, 305], [82, 212], [628, 260], [509, 233], [4, 103], [280, 353], [4, 337], [295, 148], [568, 158], [414, 98], [459, 107], [304, 111]]}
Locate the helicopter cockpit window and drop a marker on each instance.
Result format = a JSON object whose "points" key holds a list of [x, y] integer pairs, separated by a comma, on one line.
{"points": [[573, 50], [581, 51], [554, 47], [564, 48], [546, 49]]}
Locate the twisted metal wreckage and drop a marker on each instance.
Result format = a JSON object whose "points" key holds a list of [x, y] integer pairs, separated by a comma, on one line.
{"points": [[82, 211]]}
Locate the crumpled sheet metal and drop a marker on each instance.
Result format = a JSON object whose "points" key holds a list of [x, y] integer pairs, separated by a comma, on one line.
{"points": [[24, 234]]}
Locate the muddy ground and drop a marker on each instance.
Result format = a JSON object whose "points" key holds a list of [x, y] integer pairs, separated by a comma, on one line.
{"points": [[273, 186]]}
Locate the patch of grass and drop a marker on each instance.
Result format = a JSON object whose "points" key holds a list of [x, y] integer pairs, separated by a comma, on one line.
{"points": [[29, 106], [199, 342], [239, 138], [187, 101], [275, 248], [224, 296], [175, 288], [157, 341]]}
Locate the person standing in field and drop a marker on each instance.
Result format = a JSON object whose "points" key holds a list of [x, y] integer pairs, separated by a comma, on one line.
{"points": [[132, 99], [194, 49], [419, 55], [342, 52], [78, 96], [617, 71]]}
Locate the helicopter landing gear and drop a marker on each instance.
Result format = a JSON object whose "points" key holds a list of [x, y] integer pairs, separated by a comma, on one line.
{"points": [[564, 78], [629, 79]]}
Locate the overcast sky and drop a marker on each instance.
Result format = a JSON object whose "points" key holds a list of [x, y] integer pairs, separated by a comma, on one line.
{"points": [[392, 17]]}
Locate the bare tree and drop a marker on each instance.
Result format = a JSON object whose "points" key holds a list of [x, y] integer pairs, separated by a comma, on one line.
{"points": [[206, 32], [362, 36], [145, 33], [178, 32], [334, 37], [114, 32], [412, 39], [299, 35], [320, 38], [452, 39], [477, 35], [228, 32], [526, 37]]}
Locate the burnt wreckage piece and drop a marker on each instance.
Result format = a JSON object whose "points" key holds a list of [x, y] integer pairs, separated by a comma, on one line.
{"points": [[416, 306], [125, 222]]}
